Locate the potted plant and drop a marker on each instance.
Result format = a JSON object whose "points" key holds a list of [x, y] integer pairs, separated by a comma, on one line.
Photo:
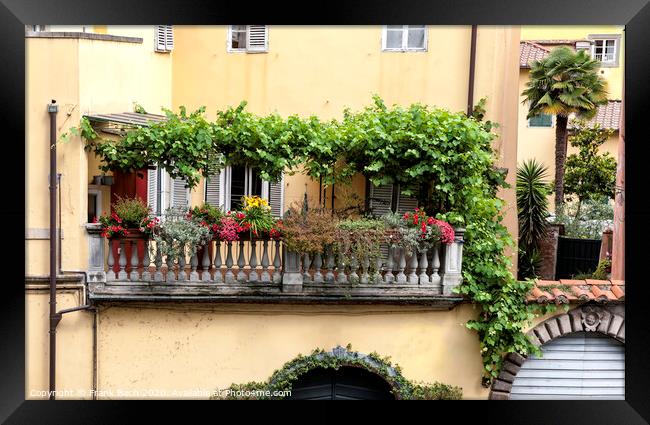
{"points": [[107, 180], [130, 218], [179, 235], [255, 217]]}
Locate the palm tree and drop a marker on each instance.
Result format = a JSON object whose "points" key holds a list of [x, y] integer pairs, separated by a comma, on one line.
{"points": [[563, 83]]}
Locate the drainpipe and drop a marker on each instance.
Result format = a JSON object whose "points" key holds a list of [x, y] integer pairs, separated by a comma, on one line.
{"points": [[53, 108], [472, 66]]}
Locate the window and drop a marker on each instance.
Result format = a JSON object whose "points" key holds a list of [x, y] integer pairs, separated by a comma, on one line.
{"points": [[605, 49], [164, 38], [541, 120], [405, 38], [164, 192], [226, 188], [36, 28], [248, 38]]}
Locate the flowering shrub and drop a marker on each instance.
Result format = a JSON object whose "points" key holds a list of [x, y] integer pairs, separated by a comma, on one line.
{"points": [[257, 215], [229, 228], [417, 231], [128, 213], [206, 215], [178, 234]]}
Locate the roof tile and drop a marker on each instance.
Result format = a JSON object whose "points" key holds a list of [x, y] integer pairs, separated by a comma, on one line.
{"points": [[573, 290]]}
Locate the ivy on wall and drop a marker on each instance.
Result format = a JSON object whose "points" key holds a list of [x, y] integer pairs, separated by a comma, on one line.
{"points": [[445, 159], [281, 381]]}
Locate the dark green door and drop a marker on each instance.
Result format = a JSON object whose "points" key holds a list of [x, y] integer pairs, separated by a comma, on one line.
{"points": [[346, 383]]}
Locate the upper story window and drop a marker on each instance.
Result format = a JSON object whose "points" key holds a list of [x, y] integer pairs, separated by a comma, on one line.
{"points": [[605, 49], [248, 38], [404, 38], [164, 38], [36, 28]]}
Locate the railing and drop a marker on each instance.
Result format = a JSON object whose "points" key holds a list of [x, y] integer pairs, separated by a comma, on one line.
{"points": [[266, 262]]}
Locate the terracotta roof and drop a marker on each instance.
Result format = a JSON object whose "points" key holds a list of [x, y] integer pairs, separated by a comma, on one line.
{"points": [[558, 41], [529, 51], [609, 115], [566, 291]]}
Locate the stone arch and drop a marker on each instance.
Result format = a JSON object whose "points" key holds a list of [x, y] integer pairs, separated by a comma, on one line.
{"points": [[586, 318], [340, 357]]}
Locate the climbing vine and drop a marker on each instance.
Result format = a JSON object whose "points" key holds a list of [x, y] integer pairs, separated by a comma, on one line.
{"points": [[281, 381], [445, 159]]}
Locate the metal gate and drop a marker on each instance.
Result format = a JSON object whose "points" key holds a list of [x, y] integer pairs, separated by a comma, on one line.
{"points": [[575, 256], [346, 383]]}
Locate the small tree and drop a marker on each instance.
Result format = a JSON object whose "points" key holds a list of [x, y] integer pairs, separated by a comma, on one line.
{"points": [[589, 174]]}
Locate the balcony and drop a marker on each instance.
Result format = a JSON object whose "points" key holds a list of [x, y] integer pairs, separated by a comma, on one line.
{"points": [[264, 271]]}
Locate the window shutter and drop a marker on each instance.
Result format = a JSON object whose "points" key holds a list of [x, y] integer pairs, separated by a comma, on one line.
{"points": [[169, 38], [257, 38], [212, 188], [276, 197], [160, 38], [406, 203], [180, 193], [381, 199], [152, 186]]}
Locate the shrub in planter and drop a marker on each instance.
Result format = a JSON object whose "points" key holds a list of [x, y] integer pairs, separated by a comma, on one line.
{"points": [[206, 216], [129, 217], [307, 230], [417, 232], [178, 235], [256, 215], [361, 237]]}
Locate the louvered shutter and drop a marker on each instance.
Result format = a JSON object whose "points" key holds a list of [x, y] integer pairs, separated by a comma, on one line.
{"points": [[276, 197], [381, 199], [169, 38], [212, 190], [180, 193], [581, 365], [152, 190], [257, 38], [160, 38], [406, 203]]}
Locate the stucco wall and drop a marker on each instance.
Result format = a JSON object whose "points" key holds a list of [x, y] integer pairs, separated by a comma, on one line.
{"points": [[183, 347]]}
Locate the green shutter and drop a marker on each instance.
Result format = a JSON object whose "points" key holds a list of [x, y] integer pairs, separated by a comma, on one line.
{"points": [[542, 120]]}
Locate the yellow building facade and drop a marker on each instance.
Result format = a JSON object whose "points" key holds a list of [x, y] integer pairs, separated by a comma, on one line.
{"points": [[125, 349]]}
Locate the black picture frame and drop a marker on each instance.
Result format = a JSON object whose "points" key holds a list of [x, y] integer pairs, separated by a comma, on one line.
{"points": [[634, 14]]}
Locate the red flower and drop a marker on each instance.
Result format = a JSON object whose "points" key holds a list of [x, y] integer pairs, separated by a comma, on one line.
{"points": [[406, 216], [430, 220], [241, 216], [95, 219]]}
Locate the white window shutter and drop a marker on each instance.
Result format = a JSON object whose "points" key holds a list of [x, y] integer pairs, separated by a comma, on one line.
{"points": [[212, 189], [276, 197], [169, 38], [257, 38], [180, 193], [381, 199], [160, 38], [152, 190]]}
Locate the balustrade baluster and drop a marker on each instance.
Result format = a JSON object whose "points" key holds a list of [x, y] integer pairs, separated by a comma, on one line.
{"points": [[252, 276], [205, 263], [146, 261], [230, 276], [170, 269], [389, 277], [401, 265], [277, 264], [122, 274], [182, 275], [110, 261], [413, 265], [133, 276], [354, 265], [340, 268], [266, 277], [435, 266], [218, 277], [241, 262], [306, 262], [424, 265], [378, 263], [329, 276], [194, 263], [158, 276], [365, 264], [318, 263]]}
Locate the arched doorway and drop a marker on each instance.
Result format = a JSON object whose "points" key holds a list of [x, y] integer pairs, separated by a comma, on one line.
{"points": [[344, 383]]}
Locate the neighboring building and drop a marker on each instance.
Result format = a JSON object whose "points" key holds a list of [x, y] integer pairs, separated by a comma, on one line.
{"points": [[171, 336], [536, 137]]}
